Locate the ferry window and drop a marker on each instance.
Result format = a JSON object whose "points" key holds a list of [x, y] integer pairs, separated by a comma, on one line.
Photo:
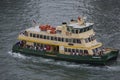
{"points": [[86, 40], [89, 39], [74, 40], [91, 26], [37, 35], [58, 31], [73, 31], [51, 37], [35, 44], [40, 36], [33, 35], [44, 36], [87, 28], [76, 31], [65, 49], [81, 30], [55, 38], [41, 45], [62, 39], [66, 39], [86, 51], [48, 37], [77, 50], [69, 40], [73, 50], [69, 50], [78, 41], [93, 38], [68, 29], [30, 34], [81, 51], [59, 39], [84, 30]]}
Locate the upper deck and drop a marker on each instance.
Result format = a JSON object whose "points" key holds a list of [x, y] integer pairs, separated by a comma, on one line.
{"points": [[75, 29], [78, 26]]}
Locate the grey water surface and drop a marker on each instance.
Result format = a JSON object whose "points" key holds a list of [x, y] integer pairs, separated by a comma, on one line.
{"points": [[17, 15]]}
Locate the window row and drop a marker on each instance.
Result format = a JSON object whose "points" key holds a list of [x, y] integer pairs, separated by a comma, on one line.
{"points": [[55, 38], [76, 50], [91, 38], [77, 31]]}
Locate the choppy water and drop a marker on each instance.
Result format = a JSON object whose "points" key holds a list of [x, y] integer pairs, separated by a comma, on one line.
{"points": [[17, 15]]}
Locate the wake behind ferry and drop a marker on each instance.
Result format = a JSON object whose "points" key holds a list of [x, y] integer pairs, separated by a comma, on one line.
{"points": [[74, 41]]}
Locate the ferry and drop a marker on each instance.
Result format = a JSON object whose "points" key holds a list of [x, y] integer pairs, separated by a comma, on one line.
{"points": [[74, 41]]}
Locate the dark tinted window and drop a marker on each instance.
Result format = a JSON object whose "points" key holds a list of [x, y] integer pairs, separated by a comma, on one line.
{"points": [[76, 31], [48, 37], [33, 35], [40, 36], [73, 50], [73, 31], [81, 51], [86, 40], [93, 38], [62, 39], [77, 50], [89, 39], [30, 34], [65, 49], [44, 36], [59, 39], [81, 30], [69, 50], [86, 51], [66, 39], [51, 37], [37, 35], [74, 40], [78, 41], [55, 38]]}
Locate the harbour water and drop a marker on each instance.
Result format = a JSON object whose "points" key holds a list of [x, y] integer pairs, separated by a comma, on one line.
{"points": [[17, 15]]}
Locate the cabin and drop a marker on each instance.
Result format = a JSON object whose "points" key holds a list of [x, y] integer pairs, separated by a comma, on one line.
{"points": [[75, 38]]}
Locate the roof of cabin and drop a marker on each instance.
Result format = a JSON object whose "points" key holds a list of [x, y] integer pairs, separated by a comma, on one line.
{"points": [[77, 25], [35, 29], [74, 25]]}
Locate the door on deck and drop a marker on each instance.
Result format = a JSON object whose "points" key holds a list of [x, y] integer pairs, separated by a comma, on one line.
{"points": [[56, 49]]}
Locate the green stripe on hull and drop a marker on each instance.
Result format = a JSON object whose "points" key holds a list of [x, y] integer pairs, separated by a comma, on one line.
{"points": [[73, 58]]}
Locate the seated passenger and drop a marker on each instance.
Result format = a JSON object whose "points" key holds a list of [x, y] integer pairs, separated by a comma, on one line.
{"points": [[77, 53], [44, 48]]}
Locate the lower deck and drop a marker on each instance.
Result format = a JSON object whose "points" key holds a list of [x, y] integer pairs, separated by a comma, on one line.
{"points": [[68, 50], [91, 59]]}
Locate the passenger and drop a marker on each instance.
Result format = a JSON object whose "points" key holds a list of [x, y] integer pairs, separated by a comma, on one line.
{"points": [[103, 49], [45, 48], [41, 49], [77, 53], [35, 48], [74, 53]]}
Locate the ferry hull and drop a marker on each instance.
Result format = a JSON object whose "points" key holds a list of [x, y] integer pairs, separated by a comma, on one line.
{"points": [[96, 60]]}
